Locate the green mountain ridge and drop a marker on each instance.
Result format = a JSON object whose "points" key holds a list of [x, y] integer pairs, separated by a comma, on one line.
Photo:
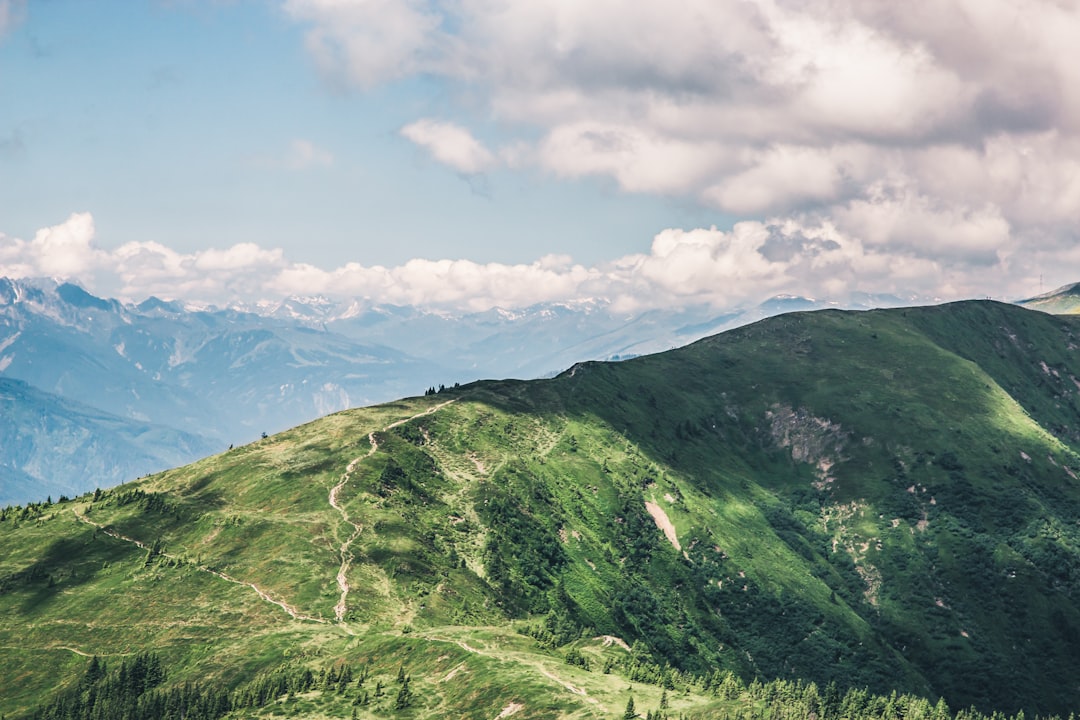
{"points": [[1064, 300], [883, 499]]}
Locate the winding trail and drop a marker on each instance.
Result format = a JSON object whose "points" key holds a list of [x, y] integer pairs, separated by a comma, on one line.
{"points": [[532, 662], [77, 651], [293, 612], [346, 556], [345, 550], [66, 648]]}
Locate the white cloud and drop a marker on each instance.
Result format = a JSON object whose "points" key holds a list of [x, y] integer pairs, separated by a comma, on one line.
{"points": [[930, 146], [946, 251], [952, 123], [243, 255], [899, 216], [639, 161], [451, 145], [64, 250], [783, 177]]}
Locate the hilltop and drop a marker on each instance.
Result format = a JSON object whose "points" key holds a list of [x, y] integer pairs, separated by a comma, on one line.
{"points": [[883, 499]]}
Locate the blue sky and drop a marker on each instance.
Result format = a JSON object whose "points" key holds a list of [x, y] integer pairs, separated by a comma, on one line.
{"points": [[178, 123], [505, 152]]}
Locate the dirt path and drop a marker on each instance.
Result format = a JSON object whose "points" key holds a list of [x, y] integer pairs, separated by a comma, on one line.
{"points": [[430, 411], [66, 648], [345, 550], [346, 556], [512, 656], [77, 651], [509, 710], [293, 612], [576, 690]]}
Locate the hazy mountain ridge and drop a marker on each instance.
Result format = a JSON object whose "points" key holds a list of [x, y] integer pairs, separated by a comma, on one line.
{"points": [[1064, 300], [886, 499], [44, 435], [228, 374], [223, 375]]}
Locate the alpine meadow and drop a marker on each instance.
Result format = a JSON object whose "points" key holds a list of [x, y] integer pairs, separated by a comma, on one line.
{"points": [[824, 515], [539, 360]]}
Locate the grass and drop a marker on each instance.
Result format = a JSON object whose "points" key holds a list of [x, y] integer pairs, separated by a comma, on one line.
{"points": [[878, 499]]}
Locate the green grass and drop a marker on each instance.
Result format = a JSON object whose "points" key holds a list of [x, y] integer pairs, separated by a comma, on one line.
{"points": [[877, 499]]}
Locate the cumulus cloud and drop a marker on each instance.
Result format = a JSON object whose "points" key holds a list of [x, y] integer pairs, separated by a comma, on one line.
{"points": [[451, 145], [64, 250], [944, 130], [137, 270], [722, 268], [930, 146]]}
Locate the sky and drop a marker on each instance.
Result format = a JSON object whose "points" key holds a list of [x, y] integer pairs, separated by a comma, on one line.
{"points": [[468, 154]]}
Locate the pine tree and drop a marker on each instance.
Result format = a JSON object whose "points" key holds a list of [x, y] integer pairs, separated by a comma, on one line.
{"points": [[94, 672], [629, 713], [404, 696]]}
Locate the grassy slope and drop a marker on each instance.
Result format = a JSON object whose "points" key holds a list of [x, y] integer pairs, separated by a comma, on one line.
{"points": [[950, 497], [880, 499]]}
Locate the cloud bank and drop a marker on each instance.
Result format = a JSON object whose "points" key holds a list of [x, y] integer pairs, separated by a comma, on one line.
{"points": [[747, 264], [942, 132]]}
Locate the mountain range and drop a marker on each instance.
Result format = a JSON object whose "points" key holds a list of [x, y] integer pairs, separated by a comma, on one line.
{"points": [[831, 514], [200, 379]]}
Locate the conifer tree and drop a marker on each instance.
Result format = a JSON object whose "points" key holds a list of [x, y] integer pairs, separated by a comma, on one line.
{"points": [[404, 696]]}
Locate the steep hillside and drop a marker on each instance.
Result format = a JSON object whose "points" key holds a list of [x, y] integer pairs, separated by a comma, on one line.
{"points": [[884, 499]]}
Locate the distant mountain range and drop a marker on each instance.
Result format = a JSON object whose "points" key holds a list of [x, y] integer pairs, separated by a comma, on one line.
{"points": [[99, 374], [59, 446]]}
